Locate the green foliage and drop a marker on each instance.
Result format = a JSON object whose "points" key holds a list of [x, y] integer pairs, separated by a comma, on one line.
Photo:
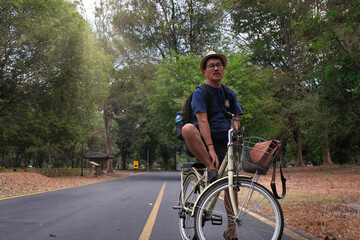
{"points": [[52, 78], [176, 77], [255, 93], [333, 35], [296, 75], [152, 29], [133, 132]]}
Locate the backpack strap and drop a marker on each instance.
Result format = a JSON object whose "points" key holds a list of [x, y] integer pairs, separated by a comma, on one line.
{"points": [[206, 90], [228, 95]]}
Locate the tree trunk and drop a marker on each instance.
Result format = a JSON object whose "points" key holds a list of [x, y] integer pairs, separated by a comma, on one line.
{"points": [[282, 159], [166, 163], [175, 162], [359, 154], [26, 163], [2, 162], [327, 159], [16, 161], [73, 162], [107, 119], [298, 139], [49, 155], [123, 158]]}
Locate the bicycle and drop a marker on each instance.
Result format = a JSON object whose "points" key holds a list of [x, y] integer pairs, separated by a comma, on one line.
{"points": [[250, 209]]}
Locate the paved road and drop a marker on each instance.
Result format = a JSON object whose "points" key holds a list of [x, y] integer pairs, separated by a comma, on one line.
{"points": [[131, 208]]}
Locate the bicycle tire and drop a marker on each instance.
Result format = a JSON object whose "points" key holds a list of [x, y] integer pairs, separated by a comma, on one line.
{"points": [[262, 218], [186, 221]]}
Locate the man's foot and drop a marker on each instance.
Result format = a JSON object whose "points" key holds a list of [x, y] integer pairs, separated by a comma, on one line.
{"points": [[212, 175]]}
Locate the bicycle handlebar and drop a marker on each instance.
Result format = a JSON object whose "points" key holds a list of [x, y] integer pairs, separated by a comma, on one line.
{"points": [[227, 114], [237, 134]]}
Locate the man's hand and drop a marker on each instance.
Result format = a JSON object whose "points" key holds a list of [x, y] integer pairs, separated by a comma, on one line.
{"points": [[206, 135], [214, 158]]}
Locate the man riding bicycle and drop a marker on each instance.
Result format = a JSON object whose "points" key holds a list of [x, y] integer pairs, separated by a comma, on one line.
{"points": [[206, 137]]}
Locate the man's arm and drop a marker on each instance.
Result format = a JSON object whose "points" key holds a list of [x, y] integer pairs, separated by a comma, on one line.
{"points": [[204, 128]]}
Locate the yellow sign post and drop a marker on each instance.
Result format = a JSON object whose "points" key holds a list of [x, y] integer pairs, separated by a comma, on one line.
{"points": [[136, 164]]}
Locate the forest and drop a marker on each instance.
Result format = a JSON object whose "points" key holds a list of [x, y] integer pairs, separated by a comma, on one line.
{"points": [[70, 87]]}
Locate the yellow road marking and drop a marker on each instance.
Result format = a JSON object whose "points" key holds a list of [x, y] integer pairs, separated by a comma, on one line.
{"points": [[271, 223], [146, 232]]}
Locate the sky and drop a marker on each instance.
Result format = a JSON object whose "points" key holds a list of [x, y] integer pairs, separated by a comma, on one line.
{"points": [[90, 8]]}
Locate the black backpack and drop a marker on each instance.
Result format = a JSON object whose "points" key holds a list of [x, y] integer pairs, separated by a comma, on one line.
{"points": [[187, 112]]}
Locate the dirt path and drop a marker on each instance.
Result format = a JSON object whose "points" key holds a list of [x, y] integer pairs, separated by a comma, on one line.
{"points": [[322, 201]]}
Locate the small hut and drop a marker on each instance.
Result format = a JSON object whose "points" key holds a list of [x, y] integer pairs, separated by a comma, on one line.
{"points": [[97, 160]]}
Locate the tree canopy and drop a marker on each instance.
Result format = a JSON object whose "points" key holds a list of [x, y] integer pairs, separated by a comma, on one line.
{"points": [[294, 65]]}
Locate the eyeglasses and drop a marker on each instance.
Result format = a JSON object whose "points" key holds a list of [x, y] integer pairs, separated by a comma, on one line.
{"points": [[212, 66]]}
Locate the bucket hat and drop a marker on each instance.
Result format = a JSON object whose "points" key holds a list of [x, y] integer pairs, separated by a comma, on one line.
{"points": [[212, 54]]}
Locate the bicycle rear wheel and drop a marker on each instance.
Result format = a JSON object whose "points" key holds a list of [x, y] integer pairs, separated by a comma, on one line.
{"points": [[259, 213], [186, 221]]}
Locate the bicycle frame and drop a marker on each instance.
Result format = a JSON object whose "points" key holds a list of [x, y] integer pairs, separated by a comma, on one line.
{"points": [[226, 170], [198, 207]]}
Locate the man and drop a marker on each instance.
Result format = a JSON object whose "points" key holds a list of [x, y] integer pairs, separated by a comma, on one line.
{"points": [[206, 138]]}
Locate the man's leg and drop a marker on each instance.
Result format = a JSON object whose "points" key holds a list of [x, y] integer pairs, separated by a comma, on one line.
{"points": [[196, 146]]}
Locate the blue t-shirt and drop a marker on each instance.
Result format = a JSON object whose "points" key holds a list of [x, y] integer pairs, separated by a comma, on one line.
{"points": [[219, 125]]}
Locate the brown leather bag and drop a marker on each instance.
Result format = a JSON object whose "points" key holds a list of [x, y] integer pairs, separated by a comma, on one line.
{"points": [[262, 152], [261, 155]]}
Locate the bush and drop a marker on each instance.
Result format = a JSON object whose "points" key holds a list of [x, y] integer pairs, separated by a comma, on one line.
{"points": [[60, 172]]}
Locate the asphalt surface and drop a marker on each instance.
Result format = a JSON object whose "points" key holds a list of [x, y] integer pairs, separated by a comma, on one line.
{"points": [[117, 209]]}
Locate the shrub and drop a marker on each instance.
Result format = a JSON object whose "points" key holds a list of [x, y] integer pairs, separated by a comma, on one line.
{"points": [[60, 172]]}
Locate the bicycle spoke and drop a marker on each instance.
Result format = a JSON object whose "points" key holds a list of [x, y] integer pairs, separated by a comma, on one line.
{"points": [[186, 221], [259, 215]]}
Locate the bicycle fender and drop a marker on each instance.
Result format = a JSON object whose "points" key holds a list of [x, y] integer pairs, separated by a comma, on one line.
{"points": [[246, 177]]}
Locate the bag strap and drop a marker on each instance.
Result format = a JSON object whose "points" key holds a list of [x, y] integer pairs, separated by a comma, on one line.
{"points": [[283, 179], [228, 94], [207, 93]]}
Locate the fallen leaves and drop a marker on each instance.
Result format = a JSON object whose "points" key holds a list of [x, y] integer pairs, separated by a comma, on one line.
{"points": [[19, 183], [322, 201]]}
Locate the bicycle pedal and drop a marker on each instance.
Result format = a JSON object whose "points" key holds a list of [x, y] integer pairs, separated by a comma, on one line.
{"points": [[181, 214], [216, 219]]}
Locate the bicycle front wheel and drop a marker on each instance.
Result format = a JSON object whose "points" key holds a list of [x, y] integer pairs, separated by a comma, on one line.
{"points": [[259, 215], [186, 221]]}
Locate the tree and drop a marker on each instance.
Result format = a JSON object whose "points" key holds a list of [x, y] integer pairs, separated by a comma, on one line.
{"points": [[140, 32], [149, 30], [176, 77], [333, 35], [255, 95], [51, 78], [266, 27], [103, 18]]}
